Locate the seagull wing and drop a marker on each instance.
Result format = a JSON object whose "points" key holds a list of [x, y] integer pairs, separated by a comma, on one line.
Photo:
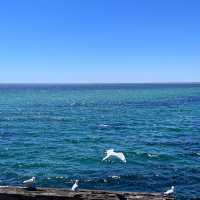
{"points": [[28, 181], [121, 156], [169, 191], [109, 151], [74, 187], [106, 157]]}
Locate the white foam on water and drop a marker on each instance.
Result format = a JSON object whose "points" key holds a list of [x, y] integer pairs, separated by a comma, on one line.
{"points": [[104, 125], [115, 177]]}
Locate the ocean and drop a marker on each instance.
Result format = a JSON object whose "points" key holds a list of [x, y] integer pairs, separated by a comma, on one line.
{"points": [[59, 133]]}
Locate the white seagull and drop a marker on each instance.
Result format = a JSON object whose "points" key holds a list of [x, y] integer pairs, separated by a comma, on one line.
{"points": [[75, 186], [110, 153], [170, 191], [30, 183]]}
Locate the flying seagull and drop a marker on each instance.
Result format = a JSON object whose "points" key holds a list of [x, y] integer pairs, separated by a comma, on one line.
{"points": [[110, 154], [170, 191], [30, 183], [75, 186]]}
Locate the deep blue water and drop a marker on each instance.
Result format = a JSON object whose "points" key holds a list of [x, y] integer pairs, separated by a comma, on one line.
{"points": [[59, 133]]}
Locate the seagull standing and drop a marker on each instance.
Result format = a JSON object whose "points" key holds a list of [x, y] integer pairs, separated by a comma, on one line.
{"points": [[170, 191], [30, 183], [75, 186], [110, 153]]}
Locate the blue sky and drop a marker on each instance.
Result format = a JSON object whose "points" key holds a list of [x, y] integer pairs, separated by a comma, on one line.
{"points": [[90, 41]]}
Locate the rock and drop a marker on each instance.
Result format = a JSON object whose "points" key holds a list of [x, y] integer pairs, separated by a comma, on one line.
{"points": [[20, 193]]}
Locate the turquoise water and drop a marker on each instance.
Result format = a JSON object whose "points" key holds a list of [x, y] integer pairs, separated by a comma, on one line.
{"points": [[59, 133]]}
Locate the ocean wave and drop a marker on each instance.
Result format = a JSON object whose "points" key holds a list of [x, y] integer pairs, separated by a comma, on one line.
{"points": [[154, 156], [195, 154], [115, 177], [104, 125]]}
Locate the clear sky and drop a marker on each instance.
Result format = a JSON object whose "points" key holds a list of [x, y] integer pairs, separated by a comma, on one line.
{"points": [[67, 41]]}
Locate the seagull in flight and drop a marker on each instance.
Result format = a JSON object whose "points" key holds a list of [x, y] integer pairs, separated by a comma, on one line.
{"points": [[30, 183], [75, 186], [110, 154], [170, 191]]}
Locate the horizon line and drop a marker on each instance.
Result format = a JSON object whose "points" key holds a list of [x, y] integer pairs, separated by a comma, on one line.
{"points": [[93, 83]]}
